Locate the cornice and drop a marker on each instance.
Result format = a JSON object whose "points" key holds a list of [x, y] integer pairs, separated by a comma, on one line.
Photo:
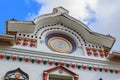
{"points": [[59, 57]]}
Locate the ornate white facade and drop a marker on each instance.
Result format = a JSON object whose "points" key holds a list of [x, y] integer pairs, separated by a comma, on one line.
{"points": [[56, 46]]}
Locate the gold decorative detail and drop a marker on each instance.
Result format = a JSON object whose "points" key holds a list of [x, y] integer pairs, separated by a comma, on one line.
{"points": [[76, 76], [17, 75], [60, 44], [88, 49], [45, 72]]}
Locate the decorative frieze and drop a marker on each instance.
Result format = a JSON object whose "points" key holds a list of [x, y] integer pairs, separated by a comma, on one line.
{"points": [[60, 27], [95, 52], [61, 63], [26, 42]]}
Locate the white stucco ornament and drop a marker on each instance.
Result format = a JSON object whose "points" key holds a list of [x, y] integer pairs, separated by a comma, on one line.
{"points": [[60, 44]]}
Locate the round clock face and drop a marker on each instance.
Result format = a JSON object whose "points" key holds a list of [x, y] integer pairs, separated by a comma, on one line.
{"points": [[60, 43]]}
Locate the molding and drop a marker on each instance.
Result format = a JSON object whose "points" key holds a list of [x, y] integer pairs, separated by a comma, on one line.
{"points": [[7, 36], [60, 57], [115, 56], [7, 40]]}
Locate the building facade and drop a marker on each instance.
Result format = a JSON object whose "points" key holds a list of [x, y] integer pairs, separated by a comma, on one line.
{"points": [[56, 46]]}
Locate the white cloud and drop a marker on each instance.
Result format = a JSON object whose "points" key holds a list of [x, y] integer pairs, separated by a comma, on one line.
{"points": [[31, 16], [107, 19], [104, 13], [77, 8]]}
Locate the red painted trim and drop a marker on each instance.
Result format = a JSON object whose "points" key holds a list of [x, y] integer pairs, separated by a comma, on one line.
{"points": [[57, 67]]}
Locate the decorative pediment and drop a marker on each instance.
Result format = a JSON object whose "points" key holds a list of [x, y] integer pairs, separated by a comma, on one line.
{"points": [[16, 74], [59, 21], [60, 68], [60, 15], [60, 71]]}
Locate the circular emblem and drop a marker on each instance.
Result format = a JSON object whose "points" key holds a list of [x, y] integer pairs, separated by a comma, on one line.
{"points": [[17, 75], [60, 43], [60, 71]]}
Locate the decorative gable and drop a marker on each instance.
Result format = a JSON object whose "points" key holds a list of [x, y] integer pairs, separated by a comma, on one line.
{"points": [[59, 71], [74, 36]]}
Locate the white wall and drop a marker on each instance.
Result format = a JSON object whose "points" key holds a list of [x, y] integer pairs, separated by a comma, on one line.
{"points": [[35, 71]]}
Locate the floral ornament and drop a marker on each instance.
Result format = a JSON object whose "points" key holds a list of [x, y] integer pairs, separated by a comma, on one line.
{"points": [[26, 60], [95, 52], [62, 64], [32, 60], [84, 67], [44, 62], [38, 61], [17, 74], [20, 59], [25, 43], [56, 63], [2, 56], [90, 68], [89, 51], [102, 54], [8, 57], [33, 43], [78, 66], [100, 69], [67, 65], [73, 66], [106, 69], [111, 71], [14, 58], [116, 71], [95, 68], [50, 62], [18, 41]]}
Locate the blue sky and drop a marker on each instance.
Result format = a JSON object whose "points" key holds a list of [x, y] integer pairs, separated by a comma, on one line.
{"points": [[18, 9], [101, 16]]}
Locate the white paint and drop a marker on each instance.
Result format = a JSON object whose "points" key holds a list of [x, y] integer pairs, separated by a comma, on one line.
{"points": [[35, 71]]}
